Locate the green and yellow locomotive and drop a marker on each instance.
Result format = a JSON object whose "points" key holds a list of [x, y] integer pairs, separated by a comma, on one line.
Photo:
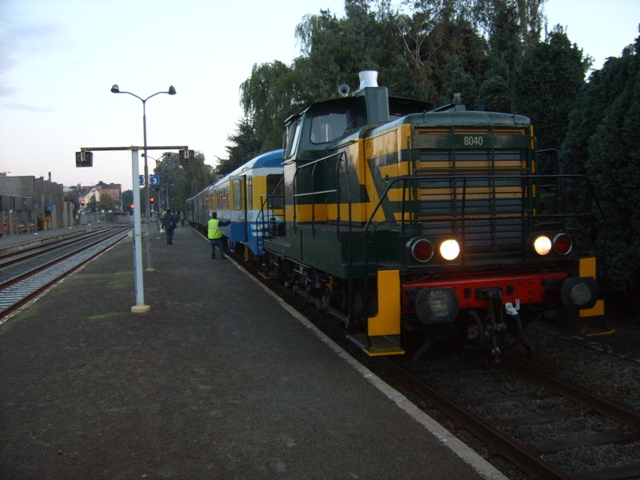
{"points": [[401, 219]]}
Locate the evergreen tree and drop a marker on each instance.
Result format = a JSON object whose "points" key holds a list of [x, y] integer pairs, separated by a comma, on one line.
{"points": [[547, 84], [244, 146], [511, 27], [602, 143], [613, 167], [457, 79], [495, 96]]}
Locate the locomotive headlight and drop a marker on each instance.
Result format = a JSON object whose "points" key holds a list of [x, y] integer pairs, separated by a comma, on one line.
{"points": [[449, 249], [542, 245], [421, 249], [579, 292]]}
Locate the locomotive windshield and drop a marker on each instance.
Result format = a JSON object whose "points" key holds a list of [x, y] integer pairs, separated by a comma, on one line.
{"points": [[325, 128], [292, 138]]}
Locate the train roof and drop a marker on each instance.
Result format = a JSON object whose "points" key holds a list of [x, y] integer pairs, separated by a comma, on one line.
{"points": [[398, 107], [264, 160], [272, 159]]}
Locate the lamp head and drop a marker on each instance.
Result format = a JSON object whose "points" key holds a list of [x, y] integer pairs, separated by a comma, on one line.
{"points": [[172, 91], [115, 88]]}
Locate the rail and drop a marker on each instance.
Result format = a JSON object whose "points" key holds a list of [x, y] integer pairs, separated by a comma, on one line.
{"points": [[26, 279]]}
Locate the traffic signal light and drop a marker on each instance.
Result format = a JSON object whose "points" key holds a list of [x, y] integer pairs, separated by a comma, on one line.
{"points": [[152, 199], [84, 159], [186, 157]]}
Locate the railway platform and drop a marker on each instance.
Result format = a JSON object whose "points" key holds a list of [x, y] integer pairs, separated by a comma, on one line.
{"points": [[218, 380]]}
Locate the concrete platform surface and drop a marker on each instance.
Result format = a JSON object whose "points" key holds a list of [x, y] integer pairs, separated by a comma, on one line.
{"points": [[217, 380]]}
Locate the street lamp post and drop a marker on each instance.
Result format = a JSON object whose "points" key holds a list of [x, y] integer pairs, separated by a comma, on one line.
{"points": [[171, 91], [167, 188], [158, 200]]}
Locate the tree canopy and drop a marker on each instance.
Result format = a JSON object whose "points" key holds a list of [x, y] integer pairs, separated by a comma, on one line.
{"points": [[498, 55], [603, 143], [179, 182]]}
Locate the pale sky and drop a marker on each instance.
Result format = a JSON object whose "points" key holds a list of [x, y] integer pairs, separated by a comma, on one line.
{"points": [[59, 59]]}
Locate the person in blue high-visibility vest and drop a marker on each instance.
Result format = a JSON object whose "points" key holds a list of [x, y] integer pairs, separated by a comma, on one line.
{"points": [[214, 234]]}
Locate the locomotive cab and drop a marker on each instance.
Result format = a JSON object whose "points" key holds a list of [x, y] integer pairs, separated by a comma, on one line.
{"points": [[324, 126]]}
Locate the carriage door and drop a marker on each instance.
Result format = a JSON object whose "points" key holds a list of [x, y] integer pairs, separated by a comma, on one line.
{"points": [[238, 205]]}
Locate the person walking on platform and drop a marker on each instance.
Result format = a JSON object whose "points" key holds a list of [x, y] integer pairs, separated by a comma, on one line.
{"points": [[169, 225], [214, 234]]}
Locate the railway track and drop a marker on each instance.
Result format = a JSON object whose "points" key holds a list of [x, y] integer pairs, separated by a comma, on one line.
{"points": [[548, 428], [27, 272], [545, 427], [19, 253]]}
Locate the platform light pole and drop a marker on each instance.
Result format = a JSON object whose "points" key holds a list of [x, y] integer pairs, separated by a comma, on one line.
{"points": [[84, 158], [140, 306], [171, 91]]}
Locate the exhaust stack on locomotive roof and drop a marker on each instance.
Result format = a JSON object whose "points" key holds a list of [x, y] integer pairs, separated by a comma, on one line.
{"points": [[376, 98], [368, 78]]}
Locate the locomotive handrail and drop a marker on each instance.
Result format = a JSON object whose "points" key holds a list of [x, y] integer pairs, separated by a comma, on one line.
{"points": [[554, 153], [462, 219], [464, 178], [313, 164], [270, 212], [261, 215], [343, 156]]}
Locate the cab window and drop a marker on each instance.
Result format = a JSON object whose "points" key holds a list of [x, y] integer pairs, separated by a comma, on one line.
{"points": [[325, 128], [292, 139]]}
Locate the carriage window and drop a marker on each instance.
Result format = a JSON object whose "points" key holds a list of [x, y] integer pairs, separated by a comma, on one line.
{"points": [[325, 128], [225, 199], [250, 194], [237, 195]]}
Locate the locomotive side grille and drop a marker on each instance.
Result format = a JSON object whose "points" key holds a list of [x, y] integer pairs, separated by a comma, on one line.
{"points": [[477, 194]]}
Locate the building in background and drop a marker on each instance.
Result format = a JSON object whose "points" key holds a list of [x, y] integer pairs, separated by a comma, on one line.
{"points": [[84, 195], [113, 190], [28, 204]]}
